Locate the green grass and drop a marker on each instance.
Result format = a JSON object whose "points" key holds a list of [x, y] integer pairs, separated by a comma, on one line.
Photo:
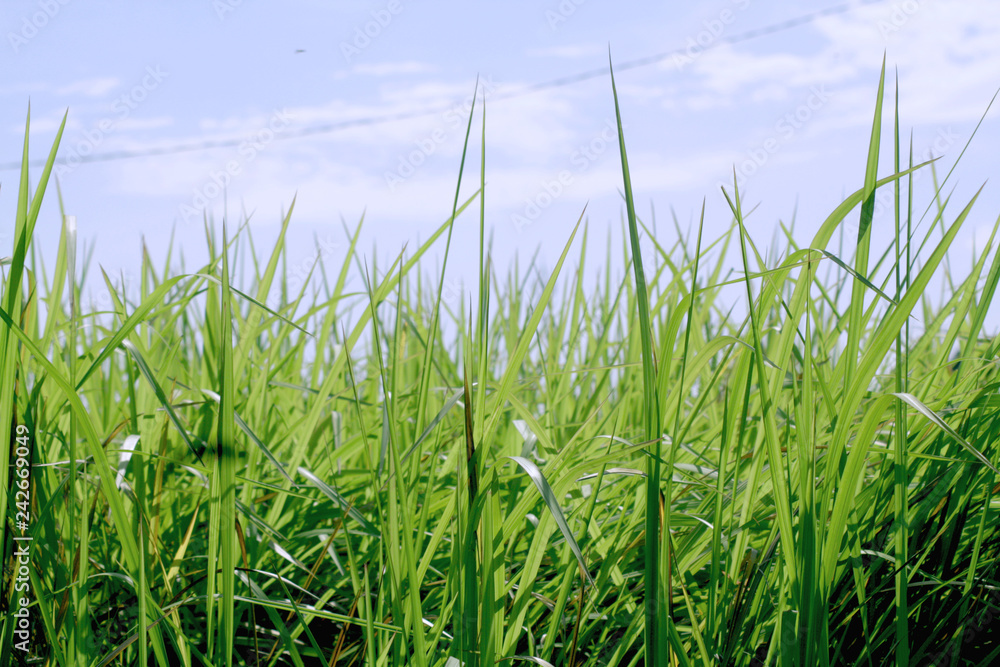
{"points": [[622, 473]]}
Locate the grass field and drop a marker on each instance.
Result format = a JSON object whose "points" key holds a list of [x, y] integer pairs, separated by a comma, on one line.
{"points": [[622, 473]]}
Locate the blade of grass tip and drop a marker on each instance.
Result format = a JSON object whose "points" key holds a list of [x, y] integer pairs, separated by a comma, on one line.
{"points": [[656, 622], [24, 224], [317, 410], [779, 477], [872, 358], [526, 336], [155, 298], [264, 283], [958, 159], [425, 374], [856, 309], [327, 329], [493, 570]]}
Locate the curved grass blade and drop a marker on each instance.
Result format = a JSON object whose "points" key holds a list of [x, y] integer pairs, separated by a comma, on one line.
{"points": [[147, 373], [864, 281], [330, 493], [550, 501], [935, 419], [154, 298]]}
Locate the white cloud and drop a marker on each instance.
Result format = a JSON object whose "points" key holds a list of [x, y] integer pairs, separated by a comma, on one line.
{"points": [[132, 124], [530, 138], [729, 71], [48, 123], [946, 54], [89, 87]]}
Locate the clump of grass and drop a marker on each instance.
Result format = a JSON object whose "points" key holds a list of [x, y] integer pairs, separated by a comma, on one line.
{"points": [[620, 475]]}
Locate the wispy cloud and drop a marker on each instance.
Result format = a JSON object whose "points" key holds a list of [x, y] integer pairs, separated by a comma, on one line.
{"points": [[89, 87], [943, 50]]}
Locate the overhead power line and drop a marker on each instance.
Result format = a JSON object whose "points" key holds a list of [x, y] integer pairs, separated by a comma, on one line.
{"points": [[326, 128]]}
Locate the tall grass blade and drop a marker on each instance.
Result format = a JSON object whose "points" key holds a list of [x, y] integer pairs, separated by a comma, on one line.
{"points": [[656, 619]]}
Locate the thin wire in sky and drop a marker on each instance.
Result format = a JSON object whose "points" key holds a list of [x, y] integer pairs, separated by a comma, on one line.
{"points": [[326, 128]]}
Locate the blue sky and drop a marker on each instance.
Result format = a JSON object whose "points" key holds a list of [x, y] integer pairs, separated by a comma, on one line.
{"points": [[790, 110]]}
